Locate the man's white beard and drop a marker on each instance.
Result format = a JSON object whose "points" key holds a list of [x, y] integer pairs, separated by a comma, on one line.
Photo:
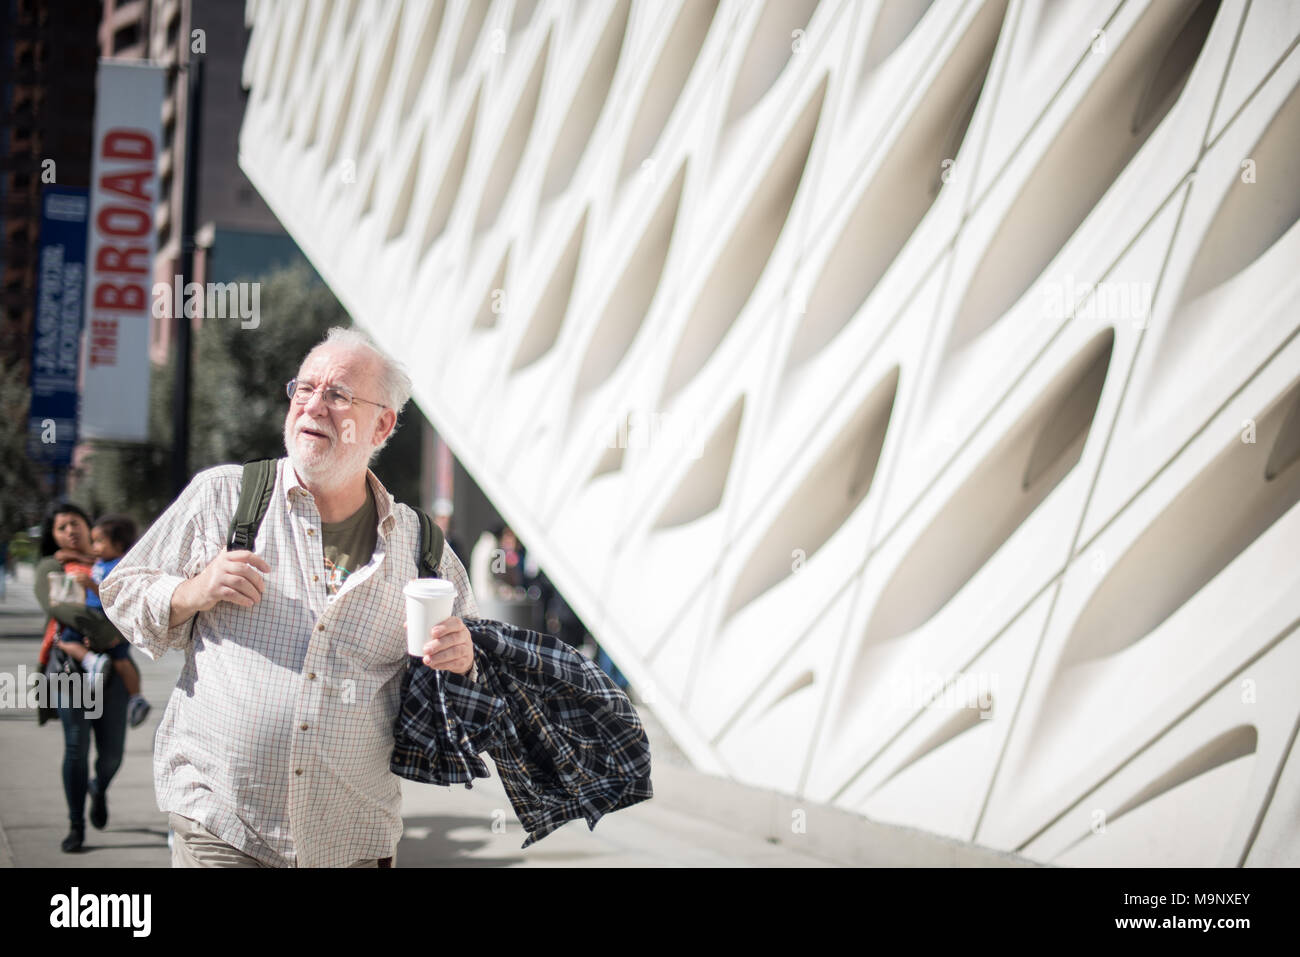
{"points": [[325, 468]]}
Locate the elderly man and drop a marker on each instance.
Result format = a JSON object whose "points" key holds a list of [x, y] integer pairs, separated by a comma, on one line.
{"points": [[274, 748]]}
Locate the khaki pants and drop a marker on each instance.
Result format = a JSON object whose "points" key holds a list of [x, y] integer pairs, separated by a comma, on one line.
{"points": [[195, 846]]}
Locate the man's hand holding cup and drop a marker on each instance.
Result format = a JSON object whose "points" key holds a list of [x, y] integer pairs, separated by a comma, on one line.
{"points": [[432, 634]]}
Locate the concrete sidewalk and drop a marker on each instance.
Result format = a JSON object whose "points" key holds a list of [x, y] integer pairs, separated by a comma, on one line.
{"points": [[694, 820]]}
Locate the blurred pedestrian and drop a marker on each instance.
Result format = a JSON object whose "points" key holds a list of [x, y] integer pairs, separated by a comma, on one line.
{"points": [[480, 563], [65, 553], [509, 570]]}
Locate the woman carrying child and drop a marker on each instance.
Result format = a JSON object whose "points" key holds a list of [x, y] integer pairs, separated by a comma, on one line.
{"points": [[67, 550]]}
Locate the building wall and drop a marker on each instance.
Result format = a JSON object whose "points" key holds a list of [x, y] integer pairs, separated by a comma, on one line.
{"points": [[907, 395]]}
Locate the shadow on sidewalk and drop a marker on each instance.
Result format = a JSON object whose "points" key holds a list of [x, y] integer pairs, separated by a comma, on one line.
{"points": [[426, 843], [89, 847]]}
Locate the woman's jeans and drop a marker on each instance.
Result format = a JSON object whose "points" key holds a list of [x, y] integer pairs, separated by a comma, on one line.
{"points": [[109, 731]]}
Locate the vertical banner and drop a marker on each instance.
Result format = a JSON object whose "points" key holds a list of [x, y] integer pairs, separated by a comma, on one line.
{"points": [[60, 289], [124, 190]]}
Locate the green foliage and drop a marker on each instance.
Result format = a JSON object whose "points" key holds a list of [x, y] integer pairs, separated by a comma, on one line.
{"points": [[22, 482], [398, 465], [22, 548]]}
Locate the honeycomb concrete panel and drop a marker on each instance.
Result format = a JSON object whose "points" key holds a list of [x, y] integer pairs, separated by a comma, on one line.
{"points": [[906, 393]]}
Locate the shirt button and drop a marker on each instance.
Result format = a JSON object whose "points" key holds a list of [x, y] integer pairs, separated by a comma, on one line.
{"points": [[303, 727], [311, 531], [315, 578], [311, 676], [320, 627], [299, 771]]}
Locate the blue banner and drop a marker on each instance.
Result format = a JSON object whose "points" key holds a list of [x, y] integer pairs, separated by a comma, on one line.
{"points": [[56, 339]]}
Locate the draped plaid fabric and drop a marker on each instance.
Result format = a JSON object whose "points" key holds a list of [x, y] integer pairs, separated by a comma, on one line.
{"points": [[566, 740]]}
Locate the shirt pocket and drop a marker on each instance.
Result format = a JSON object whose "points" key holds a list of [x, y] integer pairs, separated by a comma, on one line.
{"points": [[371, 632]]}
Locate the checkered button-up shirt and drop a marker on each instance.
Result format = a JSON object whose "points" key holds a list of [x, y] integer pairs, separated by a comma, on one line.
{"points": [[278, 734], [566, 740]]}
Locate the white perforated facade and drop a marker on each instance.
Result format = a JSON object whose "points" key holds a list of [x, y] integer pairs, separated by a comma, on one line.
{"points": [[907, 394]]}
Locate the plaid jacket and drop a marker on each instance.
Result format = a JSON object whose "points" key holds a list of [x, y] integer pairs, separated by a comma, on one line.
{"points": [[566, 740]]}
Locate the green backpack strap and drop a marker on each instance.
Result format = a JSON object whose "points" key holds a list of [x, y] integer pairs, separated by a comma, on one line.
{"points": [[431, 540], [254, 496]]}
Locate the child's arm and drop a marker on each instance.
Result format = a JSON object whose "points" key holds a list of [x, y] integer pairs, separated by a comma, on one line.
{"points": [[86, 582], [71, 555], [74, 650]]}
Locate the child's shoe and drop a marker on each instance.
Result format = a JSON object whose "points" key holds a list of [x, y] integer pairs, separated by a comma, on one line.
{"points": [[137, 709]]}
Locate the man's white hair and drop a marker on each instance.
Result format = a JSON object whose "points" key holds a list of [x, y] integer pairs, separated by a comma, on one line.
{"points": [[394, 383]]}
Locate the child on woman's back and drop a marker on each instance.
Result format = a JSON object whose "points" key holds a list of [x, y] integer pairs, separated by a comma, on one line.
{"points": [[111, 537]]}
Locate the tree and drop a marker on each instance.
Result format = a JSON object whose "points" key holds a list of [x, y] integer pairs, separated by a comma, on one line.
{"points": [[22, 481]]}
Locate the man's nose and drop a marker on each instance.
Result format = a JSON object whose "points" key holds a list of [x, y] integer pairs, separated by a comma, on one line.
{"points": [[316, 404]]}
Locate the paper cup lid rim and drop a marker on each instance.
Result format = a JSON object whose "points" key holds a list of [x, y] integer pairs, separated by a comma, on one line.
{"points": [[430, 585]]}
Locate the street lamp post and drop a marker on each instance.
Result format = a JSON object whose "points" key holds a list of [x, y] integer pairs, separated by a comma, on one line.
{"points": [[181, 386]]}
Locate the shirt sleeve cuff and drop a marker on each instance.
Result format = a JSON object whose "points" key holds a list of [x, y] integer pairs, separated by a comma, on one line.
{"points": [[156, 630]]}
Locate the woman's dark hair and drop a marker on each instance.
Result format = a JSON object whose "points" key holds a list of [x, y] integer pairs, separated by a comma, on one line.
{"points": [[48, 545], [118, 529]]}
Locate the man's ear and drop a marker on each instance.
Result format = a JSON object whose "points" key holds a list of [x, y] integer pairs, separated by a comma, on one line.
{"points": [[384, 425]]}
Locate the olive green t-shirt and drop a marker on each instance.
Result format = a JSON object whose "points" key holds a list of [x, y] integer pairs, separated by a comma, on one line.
{"points": [[349, 544]]}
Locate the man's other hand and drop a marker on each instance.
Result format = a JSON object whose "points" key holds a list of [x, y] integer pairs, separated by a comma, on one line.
{"points": [[235, 577]]}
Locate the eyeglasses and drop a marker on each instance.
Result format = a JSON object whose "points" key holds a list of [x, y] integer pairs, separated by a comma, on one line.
{"points": [[336, 397]]}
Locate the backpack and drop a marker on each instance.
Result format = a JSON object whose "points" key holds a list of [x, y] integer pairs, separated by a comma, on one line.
{"points": [[255, 495]]}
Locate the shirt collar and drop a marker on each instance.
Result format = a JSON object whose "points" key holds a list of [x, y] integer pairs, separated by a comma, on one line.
{"points": [[383, 501]]}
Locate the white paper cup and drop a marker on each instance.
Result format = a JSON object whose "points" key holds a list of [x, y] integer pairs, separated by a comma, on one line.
{"points": [[428, 602]]}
